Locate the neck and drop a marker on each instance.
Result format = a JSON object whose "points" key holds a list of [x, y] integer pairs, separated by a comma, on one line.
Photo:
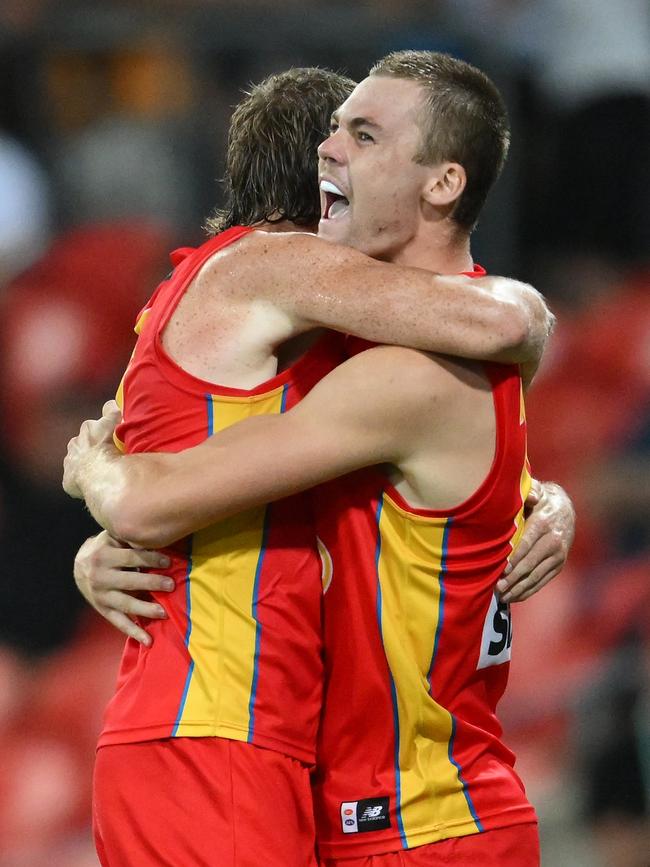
{"points": [[445, 249], [284, 226]]}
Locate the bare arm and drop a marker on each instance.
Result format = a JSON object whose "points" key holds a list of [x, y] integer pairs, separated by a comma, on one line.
{"points": [[156, 513], [104, 567], [317, 283], [349, 420], [367, 411]]}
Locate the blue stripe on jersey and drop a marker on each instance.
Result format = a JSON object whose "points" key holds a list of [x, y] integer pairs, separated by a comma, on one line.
{"points": [[468, 797], [283, 404], [393, 691], [209, 405], [210, 408], [258, 628], [441, 602], [188, 632]]}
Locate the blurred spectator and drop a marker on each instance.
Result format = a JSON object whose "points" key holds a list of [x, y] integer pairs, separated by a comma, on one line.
{"points": [[49, 722], [24, 209], [593, 68], [66, 336], [124, 168], [587, 408], [125, 145], [613, 734], [585, 103]]}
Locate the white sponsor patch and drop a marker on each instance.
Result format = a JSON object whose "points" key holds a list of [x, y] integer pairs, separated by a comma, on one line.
{"points": [[349, 817], [497, 635]]}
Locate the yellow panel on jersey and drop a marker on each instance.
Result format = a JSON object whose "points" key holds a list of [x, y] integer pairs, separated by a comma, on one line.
{"points": [[524, 486], [411, 563], [225, 562]]}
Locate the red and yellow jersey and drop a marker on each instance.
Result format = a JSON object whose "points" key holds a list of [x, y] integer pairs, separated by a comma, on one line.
{"points": [[240, 654], [417, 649]]}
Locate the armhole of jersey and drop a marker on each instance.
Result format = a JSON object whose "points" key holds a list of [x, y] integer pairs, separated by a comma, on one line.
{"points": [[503, 379]]}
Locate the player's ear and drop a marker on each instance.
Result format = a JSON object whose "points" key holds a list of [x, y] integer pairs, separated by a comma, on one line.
{"points": [[444, 185]]}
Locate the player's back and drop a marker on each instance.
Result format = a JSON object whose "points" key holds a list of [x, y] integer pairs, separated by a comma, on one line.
{"points": [[240, 654], [417, 648]]}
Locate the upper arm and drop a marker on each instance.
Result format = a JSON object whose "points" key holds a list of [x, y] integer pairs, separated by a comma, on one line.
{"points": [[364, 412], [367, 411], [317, 283]]}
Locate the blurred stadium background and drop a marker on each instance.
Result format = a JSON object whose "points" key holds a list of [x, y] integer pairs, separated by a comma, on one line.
{"points": [[112, 132]]}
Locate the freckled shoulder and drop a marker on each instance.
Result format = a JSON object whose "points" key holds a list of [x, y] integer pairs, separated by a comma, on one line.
{"points": [[277, 265]]}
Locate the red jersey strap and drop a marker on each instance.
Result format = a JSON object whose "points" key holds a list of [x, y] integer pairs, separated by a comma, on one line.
{"points": [[177, 256]]}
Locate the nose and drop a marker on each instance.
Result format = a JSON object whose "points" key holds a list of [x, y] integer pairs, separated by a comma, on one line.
{"points": [[331, 149]]}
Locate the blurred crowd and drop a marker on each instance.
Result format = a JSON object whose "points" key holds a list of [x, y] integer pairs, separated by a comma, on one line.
{"points": [[112, 133]]}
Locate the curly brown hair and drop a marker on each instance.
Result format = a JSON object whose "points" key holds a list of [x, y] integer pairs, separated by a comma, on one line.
{"points": [[272, 160]]}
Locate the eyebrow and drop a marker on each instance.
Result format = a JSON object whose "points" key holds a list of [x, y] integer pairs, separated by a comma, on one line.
{"points": [[356, 122]]}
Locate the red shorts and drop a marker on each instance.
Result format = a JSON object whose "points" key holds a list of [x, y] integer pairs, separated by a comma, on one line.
{"points": [[201, 802], [516, 846]]}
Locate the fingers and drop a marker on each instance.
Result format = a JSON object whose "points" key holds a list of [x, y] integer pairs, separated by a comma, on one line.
{"points": [[542, 549], [538, 528], [526, 594], [95, 431], [101, 559], [532, 499], [524, 586], [535, 494], [69, 482], [115, 600], [522, 550], [111, 410], [130, 558], [119, 609], [539, 557], [128, 627], [105, 573], [135, 582]]}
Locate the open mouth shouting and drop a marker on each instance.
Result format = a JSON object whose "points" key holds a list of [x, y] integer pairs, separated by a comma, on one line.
{"points": [[334, 203]]}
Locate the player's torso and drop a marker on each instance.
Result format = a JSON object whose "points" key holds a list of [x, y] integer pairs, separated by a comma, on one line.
{"points": [[417, 649], [240, 653]]}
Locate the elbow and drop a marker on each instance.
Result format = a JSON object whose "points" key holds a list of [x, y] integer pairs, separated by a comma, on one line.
{"points": [[519, 331], [514, 331], [525, 326], [135, 520], [540, 324]]}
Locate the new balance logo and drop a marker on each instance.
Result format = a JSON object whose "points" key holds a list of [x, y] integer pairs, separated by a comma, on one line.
{"points": [[369, 814]]}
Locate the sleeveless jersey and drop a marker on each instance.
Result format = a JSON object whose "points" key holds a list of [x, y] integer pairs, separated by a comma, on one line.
{"points": [[416, 654], [240, 654]]}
